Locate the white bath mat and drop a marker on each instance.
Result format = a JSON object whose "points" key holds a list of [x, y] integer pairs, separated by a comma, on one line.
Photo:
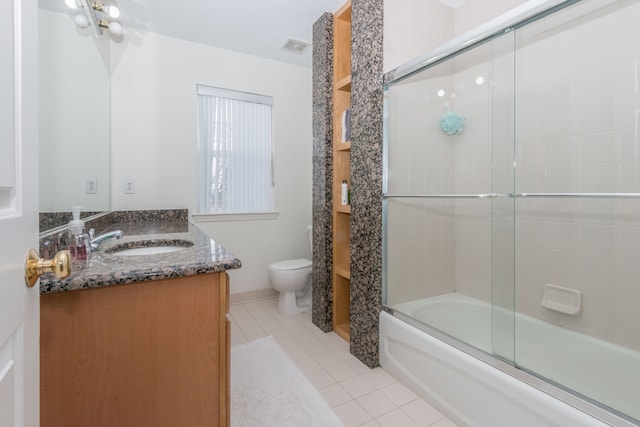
{"points": [[268, 390]]}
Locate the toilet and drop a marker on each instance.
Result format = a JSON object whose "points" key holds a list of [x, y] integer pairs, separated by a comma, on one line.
{"points": [[292, 279]]}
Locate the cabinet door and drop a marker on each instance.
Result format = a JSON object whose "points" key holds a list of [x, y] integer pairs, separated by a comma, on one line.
{"points": [[146, 354]]}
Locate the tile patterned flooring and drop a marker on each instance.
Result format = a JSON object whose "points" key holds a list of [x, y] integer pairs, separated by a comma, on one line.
{"points": [[359, 396]]}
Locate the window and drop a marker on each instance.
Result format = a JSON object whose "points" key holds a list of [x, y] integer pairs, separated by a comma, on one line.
{"points": [[234, 152]]}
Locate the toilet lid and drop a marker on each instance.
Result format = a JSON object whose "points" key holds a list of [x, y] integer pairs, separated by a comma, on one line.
{"points": [[291, 264]]}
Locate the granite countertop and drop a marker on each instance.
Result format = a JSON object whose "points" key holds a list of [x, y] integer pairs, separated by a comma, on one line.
{"points": [[105, 269]]}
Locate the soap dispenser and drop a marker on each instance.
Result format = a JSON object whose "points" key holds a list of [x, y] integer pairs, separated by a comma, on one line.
{"points": [[77, 236]]}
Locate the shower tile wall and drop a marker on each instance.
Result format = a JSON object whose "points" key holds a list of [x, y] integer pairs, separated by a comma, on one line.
{"points": [[578, 110]]}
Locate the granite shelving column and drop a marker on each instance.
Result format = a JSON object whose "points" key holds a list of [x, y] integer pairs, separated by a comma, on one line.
{"points": [[322, 171], [366, 178]]}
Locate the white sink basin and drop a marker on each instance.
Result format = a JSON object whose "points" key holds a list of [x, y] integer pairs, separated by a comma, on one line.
{"points": [[149, 247], [149, 250]]}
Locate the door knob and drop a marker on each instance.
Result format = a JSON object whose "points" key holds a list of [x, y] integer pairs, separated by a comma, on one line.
{"points": [[35, 266]]}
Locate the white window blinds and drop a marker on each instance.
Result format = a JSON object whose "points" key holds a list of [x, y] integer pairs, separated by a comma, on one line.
{"points": [[234, 151]]}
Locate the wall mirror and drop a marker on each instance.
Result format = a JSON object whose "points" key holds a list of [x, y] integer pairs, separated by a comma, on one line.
{"points": [[74, 121]]}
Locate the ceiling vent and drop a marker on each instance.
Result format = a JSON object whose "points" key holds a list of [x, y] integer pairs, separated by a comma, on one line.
{"points": [[296, 46]]}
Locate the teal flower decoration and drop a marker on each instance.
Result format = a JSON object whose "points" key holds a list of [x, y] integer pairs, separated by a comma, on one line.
{"points": [[451, 123]]}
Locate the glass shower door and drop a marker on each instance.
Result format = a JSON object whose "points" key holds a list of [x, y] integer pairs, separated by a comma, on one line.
{"points": [[577, 217], [449, 139]]}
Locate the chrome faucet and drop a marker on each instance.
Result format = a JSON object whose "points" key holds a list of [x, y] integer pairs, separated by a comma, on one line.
{"points": [[94, 242]]}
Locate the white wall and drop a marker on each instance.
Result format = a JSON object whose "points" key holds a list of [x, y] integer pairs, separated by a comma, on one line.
{"points": [[154, 82]]}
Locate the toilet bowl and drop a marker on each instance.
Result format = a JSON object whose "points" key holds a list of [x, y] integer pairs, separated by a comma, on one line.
{"points": [[292, 279]]}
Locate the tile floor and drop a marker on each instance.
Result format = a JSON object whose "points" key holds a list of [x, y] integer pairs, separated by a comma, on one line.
{"points": [[359, 396]]}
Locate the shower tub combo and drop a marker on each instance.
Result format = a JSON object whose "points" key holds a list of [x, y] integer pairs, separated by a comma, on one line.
{"points": [[511, 241]]}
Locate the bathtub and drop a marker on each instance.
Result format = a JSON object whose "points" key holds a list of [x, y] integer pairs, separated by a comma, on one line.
{"points": [[475, 389]]}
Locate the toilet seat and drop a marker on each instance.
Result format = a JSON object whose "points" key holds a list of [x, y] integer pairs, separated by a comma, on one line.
{"points": [[291, 264]]}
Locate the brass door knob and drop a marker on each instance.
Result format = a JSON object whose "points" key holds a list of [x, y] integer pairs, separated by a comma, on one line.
{"points": [[34, 266]]}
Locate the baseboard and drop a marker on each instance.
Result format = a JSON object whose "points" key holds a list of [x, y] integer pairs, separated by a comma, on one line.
{"points": [[251, 296]]}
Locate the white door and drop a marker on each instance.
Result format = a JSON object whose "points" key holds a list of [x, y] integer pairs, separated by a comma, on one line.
{"points": [[19, 305]]}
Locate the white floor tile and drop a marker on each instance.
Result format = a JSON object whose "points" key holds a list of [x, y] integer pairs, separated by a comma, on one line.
{"points": [[445, 422], [330, 358], [352, 414], [378, 378], [316, 347], [422, 413], [253, 333], [286, 342], [308, 365], [357, 386], [297, 353], [335, 395], [399, 394], [245, 323], [341, 371], [320, 379], [396, 418], [359, 367], [376, 403], [370, 423]]}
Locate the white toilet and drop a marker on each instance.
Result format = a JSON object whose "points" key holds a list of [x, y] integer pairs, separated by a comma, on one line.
{"points": [[292, 278]]}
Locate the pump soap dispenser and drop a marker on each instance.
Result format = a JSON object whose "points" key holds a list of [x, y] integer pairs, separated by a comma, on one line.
{"points": [[77, 236]]}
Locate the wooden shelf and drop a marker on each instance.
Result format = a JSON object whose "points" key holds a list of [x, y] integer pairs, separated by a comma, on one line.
{"points": [[344, 146], [343, 272], [341, 171], [342, 330], [345, 209], [344, 84]]}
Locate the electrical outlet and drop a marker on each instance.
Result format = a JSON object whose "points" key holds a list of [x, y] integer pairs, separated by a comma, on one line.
{"points": [[129, 186], [91, 186]]}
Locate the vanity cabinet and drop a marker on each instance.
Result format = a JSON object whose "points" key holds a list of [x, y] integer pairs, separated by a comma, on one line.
{"points": [[154, 353]]}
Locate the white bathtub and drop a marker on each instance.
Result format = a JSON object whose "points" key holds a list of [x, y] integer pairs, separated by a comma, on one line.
{"points": [[474, 393]]}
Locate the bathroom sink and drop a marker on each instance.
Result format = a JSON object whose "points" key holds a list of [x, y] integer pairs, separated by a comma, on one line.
{"points": [[149, 247]]}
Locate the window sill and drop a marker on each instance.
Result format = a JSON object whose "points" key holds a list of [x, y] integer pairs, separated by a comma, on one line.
{"points": [[251, 216]]}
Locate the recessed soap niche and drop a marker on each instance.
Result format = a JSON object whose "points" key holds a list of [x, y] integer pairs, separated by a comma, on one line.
{"points": [[562, 299]]}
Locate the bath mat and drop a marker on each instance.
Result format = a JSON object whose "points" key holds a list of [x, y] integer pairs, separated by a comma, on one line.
{"points": [[268, 390]]}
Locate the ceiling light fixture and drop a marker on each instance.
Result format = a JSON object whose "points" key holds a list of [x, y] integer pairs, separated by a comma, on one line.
{"points": [[105, 19]]}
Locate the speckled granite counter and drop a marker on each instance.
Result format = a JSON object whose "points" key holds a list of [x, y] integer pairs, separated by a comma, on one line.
{"points": [[105, 269]]}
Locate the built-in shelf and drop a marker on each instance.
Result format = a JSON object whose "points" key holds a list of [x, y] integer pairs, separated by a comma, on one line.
{"points": [[344, 146], [342, 329], [341, 171], [344, 84], [343, 272]]}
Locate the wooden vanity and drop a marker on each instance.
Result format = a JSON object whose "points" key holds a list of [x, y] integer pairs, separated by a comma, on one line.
{"points": [[154, 353]]}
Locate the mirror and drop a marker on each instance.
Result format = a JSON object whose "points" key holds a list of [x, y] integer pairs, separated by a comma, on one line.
{"points": [[74, 114]]}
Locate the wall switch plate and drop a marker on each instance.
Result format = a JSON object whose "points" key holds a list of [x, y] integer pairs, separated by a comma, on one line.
{"points": [[91, 186], [129, 186]]}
